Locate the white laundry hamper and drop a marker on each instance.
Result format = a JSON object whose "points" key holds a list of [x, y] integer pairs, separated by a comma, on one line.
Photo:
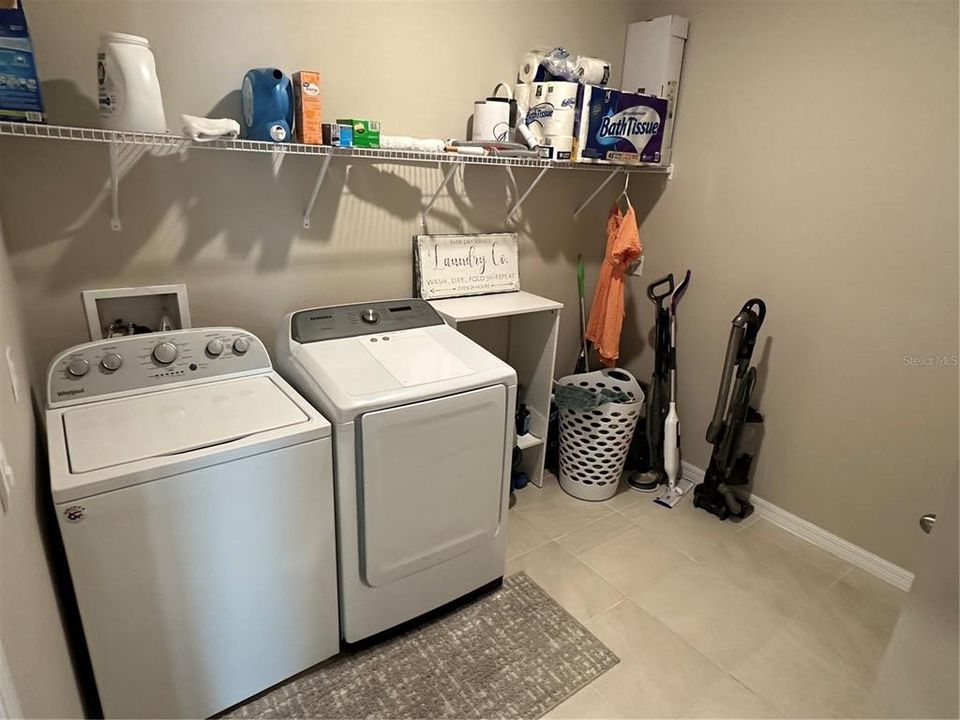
{"points": [[594, 443]]}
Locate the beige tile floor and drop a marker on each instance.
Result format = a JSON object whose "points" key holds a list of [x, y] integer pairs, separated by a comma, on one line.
{"points": [[710, 619]]}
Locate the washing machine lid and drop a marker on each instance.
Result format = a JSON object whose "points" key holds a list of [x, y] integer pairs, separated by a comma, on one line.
{"points": [[114, 433]]}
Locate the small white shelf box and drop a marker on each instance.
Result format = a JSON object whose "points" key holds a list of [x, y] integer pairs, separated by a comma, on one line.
{"points": [[520, 328]]}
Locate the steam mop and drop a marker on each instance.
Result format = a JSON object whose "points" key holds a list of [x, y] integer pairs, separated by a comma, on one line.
{"points": [[648, 481], [676, 487]]}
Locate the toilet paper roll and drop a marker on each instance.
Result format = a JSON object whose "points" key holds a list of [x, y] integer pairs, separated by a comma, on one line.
{"points": [[559, 123], [592, 71], [562, 94], [530, 68], [558, 148]]}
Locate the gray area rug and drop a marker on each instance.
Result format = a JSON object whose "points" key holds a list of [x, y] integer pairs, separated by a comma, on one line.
{"points": [[512, 654]]}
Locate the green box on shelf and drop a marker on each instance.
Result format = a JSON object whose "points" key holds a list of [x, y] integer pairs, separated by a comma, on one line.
{"points": [[366, 133]]}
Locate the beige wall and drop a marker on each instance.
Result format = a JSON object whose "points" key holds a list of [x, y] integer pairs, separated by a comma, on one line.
{"points": [[817, 168], [802, 176], [31, 632]]}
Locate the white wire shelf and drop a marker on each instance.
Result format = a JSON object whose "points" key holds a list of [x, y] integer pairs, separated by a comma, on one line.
{"points": [[181, 142], [168, 143]]}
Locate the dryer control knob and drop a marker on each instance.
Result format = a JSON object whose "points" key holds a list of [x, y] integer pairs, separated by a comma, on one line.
{"points": [[111, 361], [165, 353], [78, 367], [370, 316], [214, 347], [241, 345]]}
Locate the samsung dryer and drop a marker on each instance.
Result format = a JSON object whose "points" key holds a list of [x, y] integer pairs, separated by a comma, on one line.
{"points": [[194, 493], [423, 435]]}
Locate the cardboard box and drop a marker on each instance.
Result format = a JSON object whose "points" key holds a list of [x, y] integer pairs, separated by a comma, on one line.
{"points": [[308, 119], [331, 134], [652, 61], [613, 126], [366, 133], [20, 99]]}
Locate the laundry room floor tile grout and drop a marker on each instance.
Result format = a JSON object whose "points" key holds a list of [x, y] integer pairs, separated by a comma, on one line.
{"points": [[749, 688]]}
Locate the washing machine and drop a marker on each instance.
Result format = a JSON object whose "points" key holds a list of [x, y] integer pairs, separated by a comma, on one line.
{"points": [[423, 434], [193, 489]]}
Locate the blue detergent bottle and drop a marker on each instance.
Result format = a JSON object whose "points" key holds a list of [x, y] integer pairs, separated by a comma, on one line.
{"points": [[267, 99]]}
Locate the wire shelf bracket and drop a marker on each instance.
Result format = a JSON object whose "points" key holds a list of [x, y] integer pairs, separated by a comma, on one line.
{"points": [[115, 223], [582, 206], [443, 183], [526, 194], [321, 174]]}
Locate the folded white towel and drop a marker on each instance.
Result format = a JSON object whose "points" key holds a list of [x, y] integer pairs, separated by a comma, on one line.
{"points": [[403, 142], [203, 129]]}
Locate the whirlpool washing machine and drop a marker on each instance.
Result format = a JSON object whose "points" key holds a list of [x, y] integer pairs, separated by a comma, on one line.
{"points": [[423, 435], [194, 493]]}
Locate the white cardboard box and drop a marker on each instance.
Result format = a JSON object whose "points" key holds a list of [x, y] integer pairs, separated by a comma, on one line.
{"points": [[652, 62]]}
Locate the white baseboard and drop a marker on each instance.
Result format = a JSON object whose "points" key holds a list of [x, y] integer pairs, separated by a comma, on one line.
{"points": [[823, 539]]}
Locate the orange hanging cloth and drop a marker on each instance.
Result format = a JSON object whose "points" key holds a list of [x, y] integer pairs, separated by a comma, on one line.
{"points": [[606, 314]]}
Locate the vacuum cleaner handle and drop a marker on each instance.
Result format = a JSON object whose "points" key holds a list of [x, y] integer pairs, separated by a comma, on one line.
{"points": [[758, 307], [743, 336], [751, 317], [658, 299]]}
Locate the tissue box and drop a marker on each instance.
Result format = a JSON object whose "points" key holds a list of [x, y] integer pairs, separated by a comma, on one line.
{"points": [[613, 126], [309, 109], [366, 133], [20, 99]]}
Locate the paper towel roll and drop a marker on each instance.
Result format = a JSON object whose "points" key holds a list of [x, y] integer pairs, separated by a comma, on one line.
{"points": [[562, 94], [593, 71], [491, 121], [530, 67], [559, 123]]}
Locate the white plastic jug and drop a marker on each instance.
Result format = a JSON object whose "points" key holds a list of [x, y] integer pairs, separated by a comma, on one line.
{"points": [[129, 91]]}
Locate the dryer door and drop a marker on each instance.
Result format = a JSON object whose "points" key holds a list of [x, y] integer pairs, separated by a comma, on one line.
{"points": [[430, 481]]}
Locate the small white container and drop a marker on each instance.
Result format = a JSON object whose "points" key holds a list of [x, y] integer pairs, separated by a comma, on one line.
{"points": [[128, 88]]}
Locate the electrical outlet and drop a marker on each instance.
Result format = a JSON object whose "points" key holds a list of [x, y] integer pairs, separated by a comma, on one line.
{"points": [[636, 268], [6, 481]]}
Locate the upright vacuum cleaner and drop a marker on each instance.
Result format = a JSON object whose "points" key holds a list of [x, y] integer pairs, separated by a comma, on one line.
{"points": [[736, 428]]}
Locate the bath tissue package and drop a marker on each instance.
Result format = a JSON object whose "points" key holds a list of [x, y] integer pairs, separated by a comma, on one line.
{"points": [[539, 110], [612, 126], [557, 148], [562, 94], [552, 109]]}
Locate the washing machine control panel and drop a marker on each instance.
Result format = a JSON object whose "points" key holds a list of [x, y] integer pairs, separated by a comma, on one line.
{"points": [[343, 321], [138, 362]]}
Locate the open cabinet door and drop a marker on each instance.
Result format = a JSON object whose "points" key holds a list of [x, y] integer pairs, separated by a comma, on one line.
{"points": [[919, 674]]}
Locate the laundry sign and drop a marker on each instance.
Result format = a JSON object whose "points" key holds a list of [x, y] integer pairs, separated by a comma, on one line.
{"points": [[457, 265]]}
